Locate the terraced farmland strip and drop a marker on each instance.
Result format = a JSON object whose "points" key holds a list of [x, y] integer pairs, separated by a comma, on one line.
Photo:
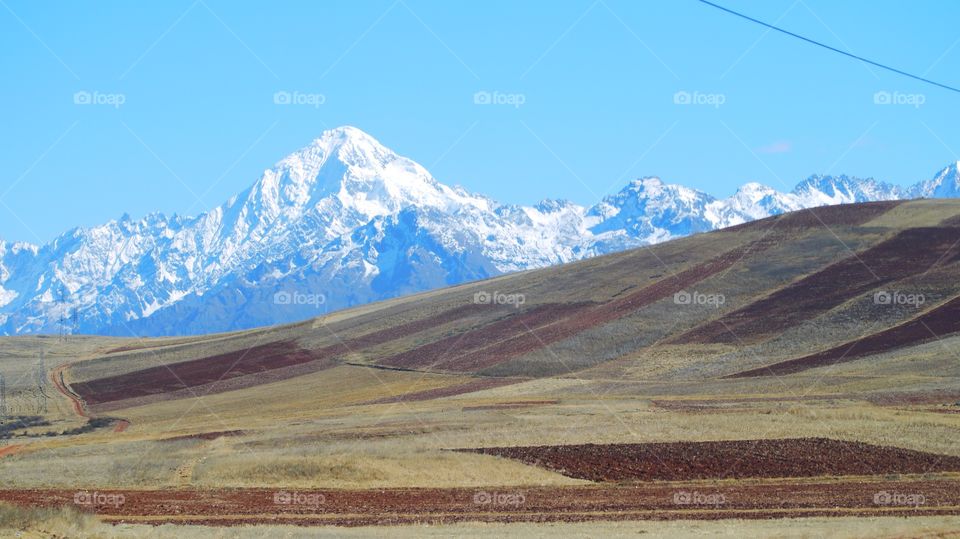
{"points": [[395, 506], [177, 376], [487, 346], [740, 459], [446, 352], [472, 386], [239, 369], [828, 288], [935, 323]]}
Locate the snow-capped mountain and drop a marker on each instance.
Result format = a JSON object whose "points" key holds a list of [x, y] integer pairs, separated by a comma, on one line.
{"points": [[946, 184], [345, 221]]}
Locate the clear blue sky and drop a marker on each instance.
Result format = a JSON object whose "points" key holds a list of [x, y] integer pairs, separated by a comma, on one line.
{"points": [[598, 79]]}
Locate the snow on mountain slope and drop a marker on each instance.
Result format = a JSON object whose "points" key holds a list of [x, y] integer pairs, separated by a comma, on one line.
{"points": [[345, 221], [945, 184]]}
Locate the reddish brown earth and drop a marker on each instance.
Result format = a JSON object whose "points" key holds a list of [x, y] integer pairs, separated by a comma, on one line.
{"points": [[508, 405], [819, 292], [56, 376], [192, 373], [238, 369], [466, 351], [479, 384], [204, 435], [508, 504], [11, 449], [487, 346], [684, 461], [931, 325]]}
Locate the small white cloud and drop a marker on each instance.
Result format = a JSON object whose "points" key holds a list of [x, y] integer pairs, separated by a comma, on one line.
{"points": [[780, 146]]}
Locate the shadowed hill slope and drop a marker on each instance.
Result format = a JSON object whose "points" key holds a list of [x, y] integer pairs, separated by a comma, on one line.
{"points": [[782, 295]]}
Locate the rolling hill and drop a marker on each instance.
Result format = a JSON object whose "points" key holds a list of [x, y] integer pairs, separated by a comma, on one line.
{"points": [[798, 365]]}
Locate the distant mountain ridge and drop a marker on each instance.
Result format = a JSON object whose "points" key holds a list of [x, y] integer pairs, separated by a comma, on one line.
{"points": [[346, 221]]}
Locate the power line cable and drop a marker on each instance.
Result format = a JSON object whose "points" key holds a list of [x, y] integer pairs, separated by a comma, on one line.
{"points": [[828, 47]]}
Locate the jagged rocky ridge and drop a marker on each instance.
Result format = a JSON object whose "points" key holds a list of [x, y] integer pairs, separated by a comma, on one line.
{"points": [[345, 221]]}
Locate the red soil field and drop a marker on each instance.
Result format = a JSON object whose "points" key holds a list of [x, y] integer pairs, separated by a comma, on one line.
{"points": [[449, 353], [509, 405], [490, 345], [819, 292], [234, 370], [933, 324], [472, 386], [192, 373], [684, 461], [384, 507], [204, 435]]}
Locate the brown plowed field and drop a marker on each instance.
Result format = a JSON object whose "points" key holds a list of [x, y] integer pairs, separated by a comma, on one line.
{"points": [[935, 323], [819, 292], [510, 504], [192, 373], [479, 384], [684, 461], [213, 435], [239, 369], [448, 353], [496, 343]]}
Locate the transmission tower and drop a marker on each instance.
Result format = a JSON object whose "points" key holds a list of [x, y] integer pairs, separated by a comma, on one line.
{"points": [[40, 377], [3, 398], [63, 319]]}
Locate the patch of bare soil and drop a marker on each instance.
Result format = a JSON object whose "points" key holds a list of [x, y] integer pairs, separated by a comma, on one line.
{"points": [[684, 461], [933, 324], [388, 507], [819, 292]]}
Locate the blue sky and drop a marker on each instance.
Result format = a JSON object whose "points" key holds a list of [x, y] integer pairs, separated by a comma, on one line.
{"points": [[597, 81]]}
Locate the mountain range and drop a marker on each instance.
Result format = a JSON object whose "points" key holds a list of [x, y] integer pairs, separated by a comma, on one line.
{"points": [[346, 221]]}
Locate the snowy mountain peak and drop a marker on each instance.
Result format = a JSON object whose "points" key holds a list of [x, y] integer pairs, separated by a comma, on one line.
{"points": [[348, 218], [945, 184]]}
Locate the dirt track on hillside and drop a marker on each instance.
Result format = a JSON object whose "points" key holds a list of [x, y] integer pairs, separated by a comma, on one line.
{"points": [[57, 377]]}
